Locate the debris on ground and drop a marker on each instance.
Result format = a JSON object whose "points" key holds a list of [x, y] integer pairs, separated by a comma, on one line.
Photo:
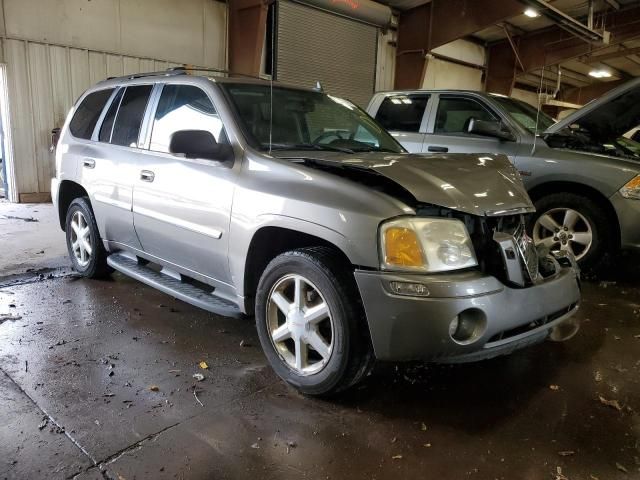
{"points": [[43, 424], [426, 445], [255, 445], [554, 387], [197, 399], [423, 427], [198, 376], [559, 475], [203, 365], [397, 457], [244, 344], [610, 403], [9, 316], [154, 388], [622, 468], [566, 453], [605, 284]]}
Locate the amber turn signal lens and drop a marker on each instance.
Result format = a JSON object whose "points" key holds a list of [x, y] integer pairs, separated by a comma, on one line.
{"points": [[402, 248]]}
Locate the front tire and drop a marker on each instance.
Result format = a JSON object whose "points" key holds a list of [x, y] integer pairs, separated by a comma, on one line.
{"points": [[311, 323], [574, 223], [84, 245]]}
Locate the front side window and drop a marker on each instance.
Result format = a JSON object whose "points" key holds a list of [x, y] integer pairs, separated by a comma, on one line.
{"points": [[184, 107], [402, 113], [525, 115], [304, 119], [88, 112], [455, 114]]}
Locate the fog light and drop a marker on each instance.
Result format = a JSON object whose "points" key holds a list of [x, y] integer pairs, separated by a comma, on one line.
{"points": [[468, 326], [409, 289]]}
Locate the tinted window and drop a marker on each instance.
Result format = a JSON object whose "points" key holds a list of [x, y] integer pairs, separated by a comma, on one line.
{"points": [[455, 114], [107, 123], [87, 114], [127, 126], [402, 112], [184, 107], [526, 115]]}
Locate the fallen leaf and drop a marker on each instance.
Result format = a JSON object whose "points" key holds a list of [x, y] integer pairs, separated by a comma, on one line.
{"points": [[610, 403], [203, 365], [397, 457], [154, 388], [554, 387]]}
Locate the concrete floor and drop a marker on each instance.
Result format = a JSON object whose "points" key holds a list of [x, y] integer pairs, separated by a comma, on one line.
{"points": [[80, 362]]}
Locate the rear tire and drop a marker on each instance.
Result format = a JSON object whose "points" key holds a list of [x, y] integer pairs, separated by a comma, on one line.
{"points": [[569, 221], [84, 244], [335, 348]]}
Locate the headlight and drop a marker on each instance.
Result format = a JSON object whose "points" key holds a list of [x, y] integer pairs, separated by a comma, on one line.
{"points": [[426, 245], [631, 189]]}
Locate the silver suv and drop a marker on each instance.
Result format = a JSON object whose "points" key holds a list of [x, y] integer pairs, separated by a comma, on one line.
{"points": [[582, 174], [243, 197]]}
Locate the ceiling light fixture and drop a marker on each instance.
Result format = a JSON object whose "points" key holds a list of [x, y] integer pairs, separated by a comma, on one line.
{"points": [[531, 13], [599, 73]]}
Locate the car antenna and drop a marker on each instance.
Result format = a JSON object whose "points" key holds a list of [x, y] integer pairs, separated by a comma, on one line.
{"points": [[318, 87], [535, 131], [273, 28]]}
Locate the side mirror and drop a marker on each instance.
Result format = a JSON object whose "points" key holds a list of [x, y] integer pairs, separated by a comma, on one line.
{"points": [[199, 144], [490, 129]]}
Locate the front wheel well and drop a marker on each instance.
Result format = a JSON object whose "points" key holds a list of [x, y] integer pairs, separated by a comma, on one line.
{"points": [[269, 242], [67, 193], [593, 194]]}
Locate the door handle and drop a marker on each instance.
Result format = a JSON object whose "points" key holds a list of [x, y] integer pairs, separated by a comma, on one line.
{"points": [[437, 149], [89, 163], [147, 176]]}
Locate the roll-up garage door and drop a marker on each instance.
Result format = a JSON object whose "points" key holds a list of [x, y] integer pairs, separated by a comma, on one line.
{"points": [[313, 45]]}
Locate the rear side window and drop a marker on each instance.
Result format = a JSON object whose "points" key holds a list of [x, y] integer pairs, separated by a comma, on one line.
{"points": [[88, 112], [107, 123], [130, 114], [402, 113], [455, 114], [184, 107]]}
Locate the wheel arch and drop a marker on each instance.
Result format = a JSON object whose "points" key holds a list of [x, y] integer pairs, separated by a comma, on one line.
{"points": [[548, 188], [270, 241], [67, 193]]}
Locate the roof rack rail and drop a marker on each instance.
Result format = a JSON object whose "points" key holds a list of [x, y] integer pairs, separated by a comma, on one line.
{"points": [[213, 70], [166, 73]]}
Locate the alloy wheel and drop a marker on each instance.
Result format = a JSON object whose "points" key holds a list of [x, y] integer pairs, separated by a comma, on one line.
{"points": [[80, 239], [300, 324], [564, 229]]}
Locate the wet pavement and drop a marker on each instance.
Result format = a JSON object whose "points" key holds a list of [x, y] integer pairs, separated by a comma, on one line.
{"points": [[96, 382]]}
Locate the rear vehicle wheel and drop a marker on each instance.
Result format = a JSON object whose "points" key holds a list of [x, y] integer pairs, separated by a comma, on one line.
{"points": [[83, 241], [573, 223], [311, 323]]}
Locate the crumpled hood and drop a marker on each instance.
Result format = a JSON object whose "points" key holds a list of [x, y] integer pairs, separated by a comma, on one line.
{"points": [[608, 117], [479, 184]]}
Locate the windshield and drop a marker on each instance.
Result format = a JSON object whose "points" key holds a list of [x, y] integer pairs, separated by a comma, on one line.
{"points": [[305, 119], [524, 114]]}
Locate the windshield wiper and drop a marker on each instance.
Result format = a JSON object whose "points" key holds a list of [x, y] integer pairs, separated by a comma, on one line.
{"points": [[307, 146]]}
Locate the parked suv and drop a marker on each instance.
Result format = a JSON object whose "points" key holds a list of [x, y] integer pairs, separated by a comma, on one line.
{"points": [[581, 173], [239, 196]]}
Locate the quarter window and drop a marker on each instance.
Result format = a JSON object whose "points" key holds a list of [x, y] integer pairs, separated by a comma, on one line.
{"points": [[87, 114], [184, 107], [455, 114], [402, 113], [130, 114]]}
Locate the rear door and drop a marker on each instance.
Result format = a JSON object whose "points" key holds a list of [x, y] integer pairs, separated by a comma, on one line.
{"points": [[449, 122], [404, 115], [107, 165], [182, 206]]}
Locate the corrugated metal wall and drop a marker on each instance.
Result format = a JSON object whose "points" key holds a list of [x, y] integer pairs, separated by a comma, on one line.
{"points": [[314, 45], [44, 81]]}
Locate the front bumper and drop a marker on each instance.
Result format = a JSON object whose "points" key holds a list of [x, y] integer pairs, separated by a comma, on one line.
{"points": [[413, 328], [628, 211]]}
